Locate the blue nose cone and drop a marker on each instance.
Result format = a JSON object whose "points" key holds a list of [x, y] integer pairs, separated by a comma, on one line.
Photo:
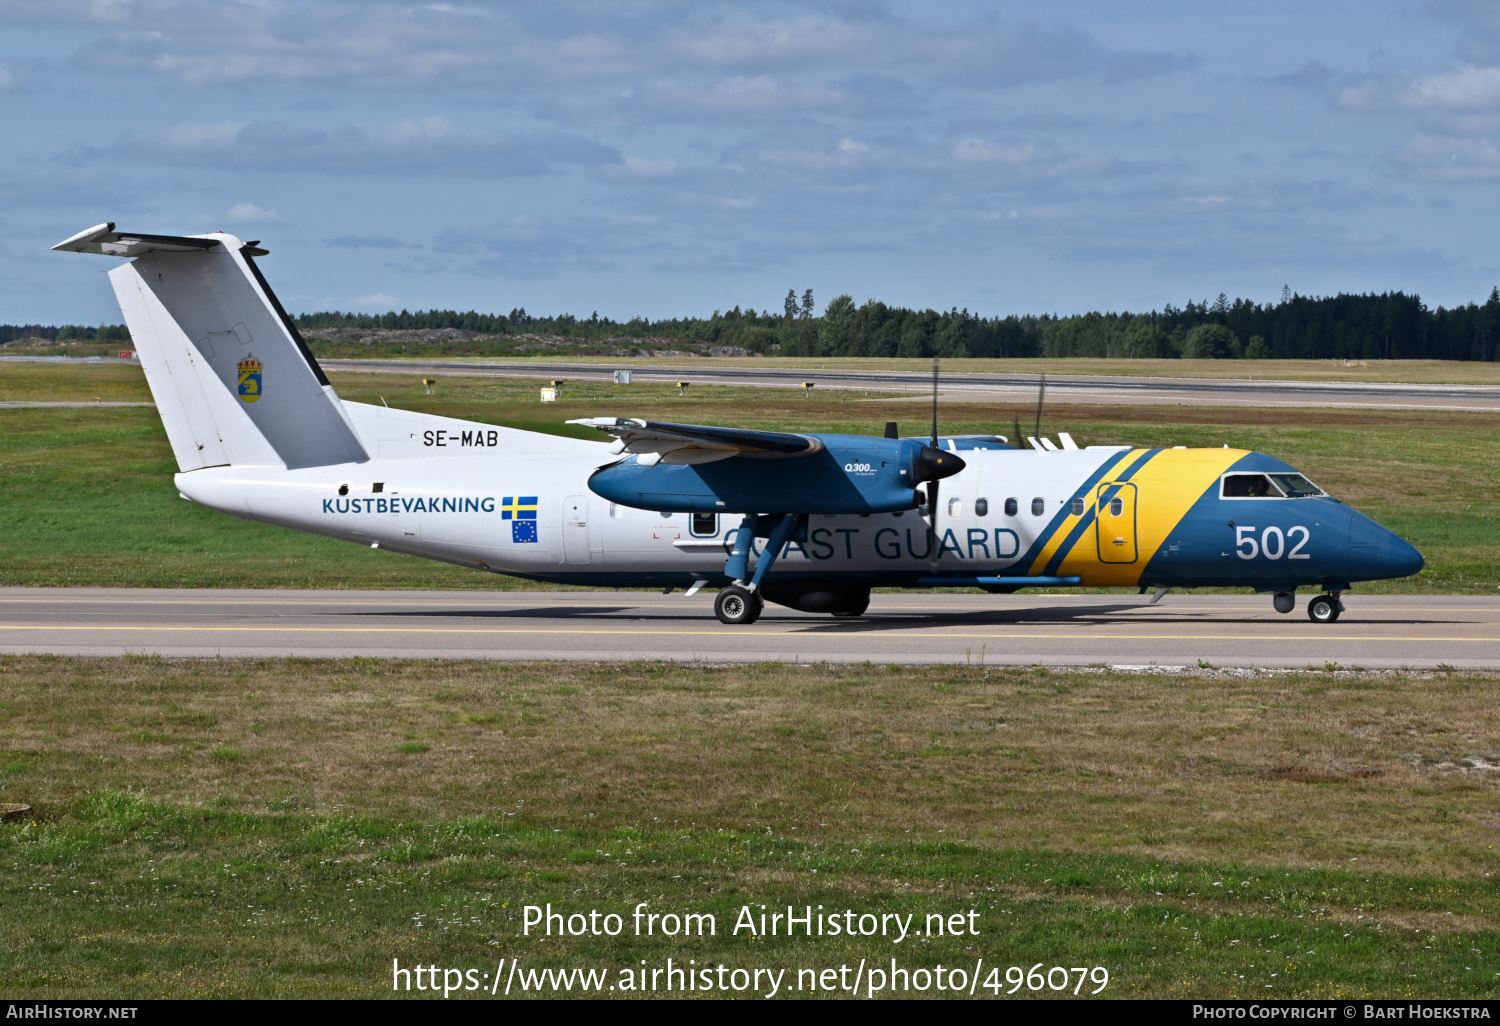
{"points": [[1376, 554], [1403, 560]]}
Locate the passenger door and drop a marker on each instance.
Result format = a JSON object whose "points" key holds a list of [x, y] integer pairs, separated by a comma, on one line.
{"points": [[1114, 522]]}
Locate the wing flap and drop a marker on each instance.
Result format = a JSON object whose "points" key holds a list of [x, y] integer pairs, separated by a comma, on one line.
{"points": [[698, 443]]}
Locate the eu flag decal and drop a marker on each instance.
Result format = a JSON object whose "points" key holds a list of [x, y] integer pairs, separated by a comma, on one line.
{"points": [[521, 512]]}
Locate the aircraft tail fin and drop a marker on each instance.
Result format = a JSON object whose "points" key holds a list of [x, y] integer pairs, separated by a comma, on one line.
{"points": [[233, 379]]}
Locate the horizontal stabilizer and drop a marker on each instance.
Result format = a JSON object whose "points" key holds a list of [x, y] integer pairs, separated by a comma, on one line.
{"points": [[696, 443], [104, 240]]}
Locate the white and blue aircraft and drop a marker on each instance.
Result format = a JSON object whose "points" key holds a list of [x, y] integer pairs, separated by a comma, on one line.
{"points": [[810, 521]]}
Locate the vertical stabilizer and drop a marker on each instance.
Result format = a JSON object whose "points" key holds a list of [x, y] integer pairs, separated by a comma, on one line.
{"points": [[232, 378]]}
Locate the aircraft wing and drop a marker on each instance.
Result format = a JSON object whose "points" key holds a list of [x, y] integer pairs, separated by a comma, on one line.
{"points": [[697, 443]]}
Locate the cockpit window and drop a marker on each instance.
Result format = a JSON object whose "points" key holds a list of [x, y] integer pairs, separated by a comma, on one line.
{"points": [[1267, 486], [1295, 485], [1249, 486]]}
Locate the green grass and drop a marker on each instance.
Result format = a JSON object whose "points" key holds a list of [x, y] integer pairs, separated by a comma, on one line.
{"points": [[1193, 835], [90, 496]]}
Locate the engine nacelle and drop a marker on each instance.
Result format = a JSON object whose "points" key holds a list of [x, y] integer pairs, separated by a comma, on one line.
{"points": [[848, 474]]}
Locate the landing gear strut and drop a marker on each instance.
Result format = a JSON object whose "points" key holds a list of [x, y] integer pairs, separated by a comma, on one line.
{"points": [[1324, 609], [741, 602]]}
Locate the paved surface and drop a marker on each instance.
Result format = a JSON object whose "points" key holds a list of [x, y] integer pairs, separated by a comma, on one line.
{"points": [[988, 388], [1225, 630]]}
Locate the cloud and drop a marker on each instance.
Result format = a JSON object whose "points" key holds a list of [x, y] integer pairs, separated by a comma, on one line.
{"points": [[249, 213], [1031, 158], [367, 242], [376, 301], [587, 62], [1125, 65], [425, 146], [1467, 89], [1436, 158], [1314, 75]]}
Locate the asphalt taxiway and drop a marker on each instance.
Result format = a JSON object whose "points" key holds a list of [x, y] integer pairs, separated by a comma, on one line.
{"points": [[962, 386], [1060, 630]]}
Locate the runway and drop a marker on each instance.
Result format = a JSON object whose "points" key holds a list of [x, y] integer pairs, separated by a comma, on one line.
{"points": [[1066, 630], [986, 388]]}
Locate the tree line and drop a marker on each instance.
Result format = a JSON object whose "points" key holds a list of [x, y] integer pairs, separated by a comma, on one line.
{"points": [[1384, 326], [65, 333]]}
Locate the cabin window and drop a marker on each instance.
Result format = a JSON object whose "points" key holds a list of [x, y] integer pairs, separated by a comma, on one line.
{"points": [[1077, 507], [1038, 506], [378, 487], [1295, 485], [1249, 486], [616, 511], [1116, 507], [705, 525], [981, 507], [955, 507], [1011, 507]]}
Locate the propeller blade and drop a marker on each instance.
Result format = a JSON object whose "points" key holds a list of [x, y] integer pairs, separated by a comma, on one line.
{"points": [[932, 461], [932, 521], [934, 400], [1041, 394]]}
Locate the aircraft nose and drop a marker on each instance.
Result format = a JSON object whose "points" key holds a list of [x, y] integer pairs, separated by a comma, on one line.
{"points": [[1404, 559], [1376, 554]]}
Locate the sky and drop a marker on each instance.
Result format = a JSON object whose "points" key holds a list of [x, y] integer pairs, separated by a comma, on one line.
{"points": [[671, 158]]}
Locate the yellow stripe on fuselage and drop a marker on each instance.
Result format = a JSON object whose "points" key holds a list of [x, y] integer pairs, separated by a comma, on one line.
{"points": [[1167, 486], [1065, 529]]}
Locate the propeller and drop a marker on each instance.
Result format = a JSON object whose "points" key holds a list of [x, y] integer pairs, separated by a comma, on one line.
{"points": [[932, 486], [1041, 394]]}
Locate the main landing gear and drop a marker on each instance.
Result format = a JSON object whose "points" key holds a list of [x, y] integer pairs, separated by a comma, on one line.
{"points": [[741, 602], [1324, 608]]}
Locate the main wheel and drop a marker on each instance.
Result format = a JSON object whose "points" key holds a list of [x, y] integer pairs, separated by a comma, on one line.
{"points": [[1323, 609], [736, 605]]}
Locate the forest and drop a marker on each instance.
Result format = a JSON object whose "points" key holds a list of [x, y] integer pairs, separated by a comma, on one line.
{"points": [[1384, 326]]}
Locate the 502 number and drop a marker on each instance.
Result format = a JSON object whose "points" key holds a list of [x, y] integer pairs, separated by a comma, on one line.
{"points": [[1273, 542]]}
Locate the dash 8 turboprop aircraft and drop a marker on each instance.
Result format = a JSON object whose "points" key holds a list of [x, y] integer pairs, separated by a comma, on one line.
{"points": [[810, 521]]}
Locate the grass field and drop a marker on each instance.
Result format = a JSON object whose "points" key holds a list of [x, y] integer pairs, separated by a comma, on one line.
{"points": [[222, 828], [90, 497]]}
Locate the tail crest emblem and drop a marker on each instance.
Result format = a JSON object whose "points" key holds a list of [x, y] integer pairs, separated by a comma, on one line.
{"points": [[250, 380]]}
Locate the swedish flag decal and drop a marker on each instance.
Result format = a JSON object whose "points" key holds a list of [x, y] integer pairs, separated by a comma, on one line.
{"points": [[521, 512]]}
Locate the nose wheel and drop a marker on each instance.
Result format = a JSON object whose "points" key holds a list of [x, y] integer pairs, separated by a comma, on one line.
{"points": [[736, 605], [1324, 609]]}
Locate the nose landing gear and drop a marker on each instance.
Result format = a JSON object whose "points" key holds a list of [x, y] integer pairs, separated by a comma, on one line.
{"points": [[736, 605], [1325, 608]]}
